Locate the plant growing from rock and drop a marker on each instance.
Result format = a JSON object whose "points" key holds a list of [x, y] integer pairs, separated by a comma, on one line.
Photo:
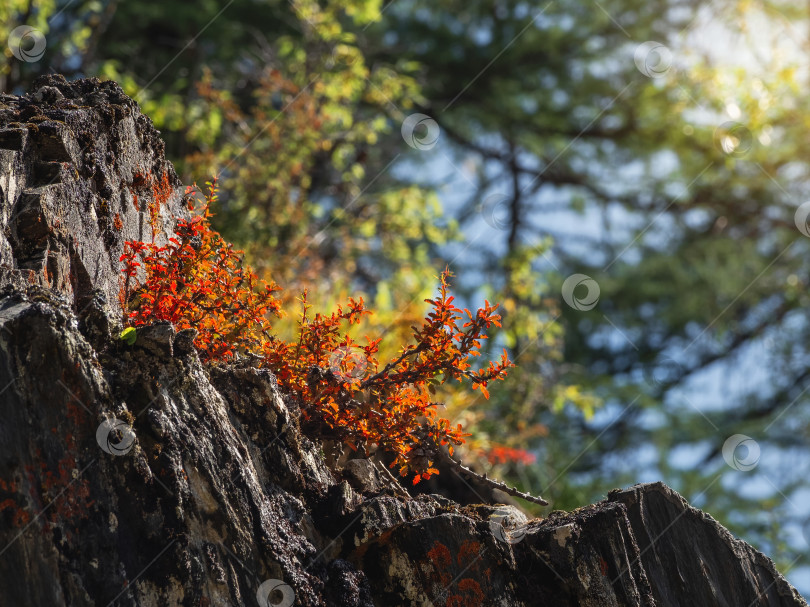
{"points": [[198, 280]]}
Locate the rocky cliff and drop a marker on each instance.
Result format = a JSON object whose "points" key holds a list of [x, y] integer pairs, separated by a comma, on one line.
{"points": [[135, 475]]}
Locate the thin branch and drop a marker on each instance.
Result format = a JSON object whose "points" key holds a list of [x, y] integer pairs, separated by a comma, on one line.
{"points": [[493, 483], [390, 480]]}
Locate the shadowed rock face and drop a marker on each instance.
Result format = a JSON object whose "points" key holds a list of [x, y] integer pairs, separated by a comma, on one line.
{"points": [[134, 475]]}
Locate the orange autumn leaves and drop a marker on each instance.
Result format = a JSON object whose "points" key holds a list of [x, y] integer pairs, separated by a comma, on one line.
{"points": [[199, 281]]}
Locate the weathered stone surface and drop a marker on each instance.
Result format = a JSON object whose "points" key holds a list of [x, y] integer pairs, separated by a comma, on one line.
{"points": [[363, 476], [686, 554], [134, 475], [78, 166]]}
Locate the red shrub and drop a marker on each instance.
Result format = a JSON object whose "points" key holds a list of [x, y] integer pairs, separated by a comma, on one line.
{"points": [[198, 280]]}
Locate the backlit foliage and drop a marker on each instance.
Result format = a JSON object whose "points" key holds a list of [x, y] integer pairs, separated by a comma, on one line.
{"points": [[500, 454], [198, 280]]}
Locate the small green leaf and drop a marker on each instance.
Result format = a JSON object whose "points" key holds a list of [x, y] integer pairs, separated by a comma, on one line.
{"points": [[128, 335]]}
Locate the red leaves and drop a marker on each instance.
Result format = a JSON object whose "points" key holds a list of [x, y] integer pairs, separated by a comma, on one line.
{"points": [[500, 454], [198, 280], [389, 408]]}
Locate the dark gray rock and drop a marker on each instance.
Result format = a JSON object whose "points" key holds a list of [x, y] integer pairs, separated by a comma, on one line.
{"points": [[78, 165], [363, 476]]}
